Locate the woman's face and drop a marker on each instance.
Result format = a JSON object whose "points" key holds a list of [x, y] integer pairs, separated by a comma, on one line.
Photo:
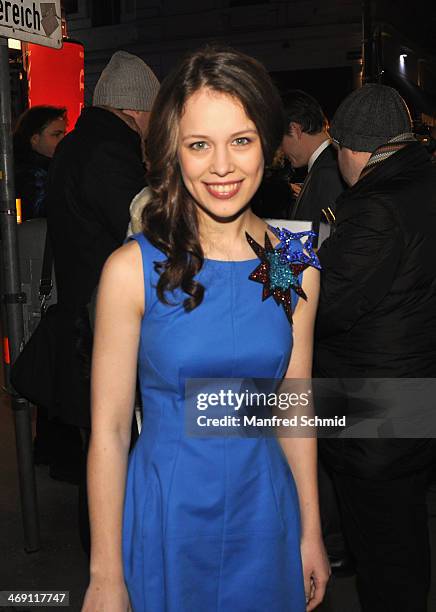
{"points": [[220, 153], [46, 141]]}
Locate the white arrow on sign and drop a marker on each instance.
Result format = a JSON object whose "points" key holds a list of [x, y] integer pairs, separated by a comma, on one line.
{"points": [[37, 22]]}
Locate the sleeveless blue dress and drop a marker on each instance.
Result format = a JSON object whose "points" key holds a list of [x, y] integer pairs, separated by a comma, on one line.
{"points": [[211, 524]]}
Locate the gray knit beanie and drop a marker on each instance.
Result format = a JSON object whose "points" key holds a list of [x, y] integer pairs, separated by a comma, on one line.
{"points": [[369, 117], [126, 83]]}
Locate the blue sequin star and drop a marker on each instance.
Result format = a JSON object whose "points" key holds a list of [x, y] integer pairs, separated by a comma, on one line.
{"points": [[286, 237]]}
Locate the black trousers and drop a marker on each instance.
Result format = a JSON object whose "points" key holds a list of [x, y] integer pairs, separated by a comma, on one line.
{"points": [[332, 531], [385, 523]]}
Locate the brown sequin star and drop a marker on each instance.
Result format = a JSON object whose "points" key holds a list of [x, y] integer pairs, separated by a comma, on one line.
{"points": [[276, 274]]}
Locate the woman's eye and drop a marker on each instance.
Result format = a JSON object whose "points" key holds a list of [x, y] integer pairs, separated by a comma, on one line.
{"points": [[199, 146], [242, 140]]}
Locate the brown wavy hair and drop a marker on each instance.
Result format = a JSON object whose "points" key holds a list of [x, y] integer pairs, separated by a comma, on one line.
{"points": [[170, 219]]}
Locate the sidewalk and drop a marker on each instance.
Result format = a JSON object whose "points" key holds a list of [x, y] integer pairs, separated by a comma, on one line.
{"points": [[60, 564]]}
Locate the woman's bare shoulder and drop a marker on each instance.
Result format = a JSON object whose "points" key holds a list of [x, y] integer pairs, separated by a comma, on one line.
{"points": [[123, 273], [125, 258]]}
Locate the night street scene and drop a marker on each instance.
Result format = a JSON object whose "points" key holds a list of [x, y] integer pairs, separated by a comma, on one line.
{"points": [[218, 305]]}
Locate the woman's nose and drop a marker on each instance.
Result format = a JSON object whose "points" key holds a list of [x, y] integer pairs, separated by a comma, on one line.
{"points": [[222, 162]]}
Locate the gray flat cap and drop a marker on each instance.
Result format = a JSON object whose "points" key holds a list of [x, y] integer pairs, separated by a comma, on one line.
{"points": [[369, 117]]}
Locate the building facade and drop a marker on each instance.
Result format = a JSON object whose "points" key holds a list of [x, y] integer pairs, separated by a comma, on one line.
{"points": [[311, 44]]}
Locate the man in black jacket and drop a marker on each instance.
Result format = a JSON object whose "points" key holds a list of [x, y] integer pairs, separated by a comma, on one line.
{"points": [[307, 143], [376, 319], [93, 178]]}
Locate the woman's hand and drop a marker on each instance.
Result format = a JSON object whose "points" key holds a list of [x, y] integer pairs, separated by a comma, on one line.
{"points": [[105, 595], [316, 571]]}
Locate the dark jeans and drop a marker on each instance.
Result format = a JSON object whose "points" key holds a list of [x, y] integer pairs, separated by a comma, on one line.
{"points": [[385, 523]]}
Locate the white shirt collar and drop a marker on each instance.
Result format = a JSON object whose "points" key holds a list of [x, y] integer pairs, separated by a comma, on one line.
{"points": [[317, 153]]}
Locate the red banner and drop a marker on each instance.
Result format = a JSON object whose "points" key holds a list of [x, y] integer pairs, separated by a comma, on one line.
{"points": [[56, 77]]}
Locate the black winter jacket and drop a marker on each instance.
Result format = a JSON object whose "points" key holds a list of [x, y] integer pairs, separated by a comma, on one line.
{"points": [[377, 311], [95, 173]]}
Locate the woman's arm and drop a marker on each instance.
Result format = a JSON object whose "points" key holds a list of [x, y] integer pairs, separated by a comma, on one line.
{"points": [[120, 306], [301, 453]]}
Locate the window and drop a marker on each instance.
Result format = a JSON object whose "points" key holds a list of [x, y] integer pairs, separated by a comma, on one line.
{"points": [[106, 13]]}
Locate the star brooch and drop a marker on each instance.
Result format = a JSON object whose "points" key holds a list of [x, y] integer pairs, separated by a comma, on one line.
{"points": [[277, 274], [288, 242]]}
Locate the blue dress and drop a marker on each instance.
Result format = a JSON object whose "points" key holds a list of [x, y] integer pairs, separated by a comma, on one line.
{"points": [[211, 524]]}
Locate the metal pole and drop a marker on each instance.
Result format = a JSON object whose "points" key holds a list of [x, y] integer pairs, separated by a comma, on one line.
{"points": [[12, 296]]}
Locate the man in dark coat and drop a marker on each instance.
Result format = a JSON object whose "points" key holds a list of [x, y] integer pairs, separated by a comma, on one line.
{"points": [[307, 143], [377, 319], [94, 176]]}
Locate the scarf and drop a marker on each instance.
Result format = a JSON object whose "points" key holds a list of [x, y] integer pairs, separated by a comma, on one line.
{"points": [[385, 151]]}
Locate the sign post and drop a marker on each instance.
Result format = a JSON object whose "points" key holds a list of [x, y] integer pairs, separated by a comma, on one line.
{"points": [[38, 22]]}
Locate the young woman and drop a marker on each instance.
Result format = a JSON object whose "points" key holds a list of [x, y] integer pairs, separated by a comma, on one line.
{"points": [[201, 523]]}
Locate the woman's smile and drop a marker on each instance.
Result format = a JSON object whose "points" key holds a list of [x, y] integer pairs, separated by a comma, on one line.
{"points": [[223, 191]]}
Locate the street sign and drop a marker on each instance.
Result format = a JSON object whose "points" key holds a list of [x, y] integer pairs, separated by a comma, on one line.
{"points": [[37, 22]]}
